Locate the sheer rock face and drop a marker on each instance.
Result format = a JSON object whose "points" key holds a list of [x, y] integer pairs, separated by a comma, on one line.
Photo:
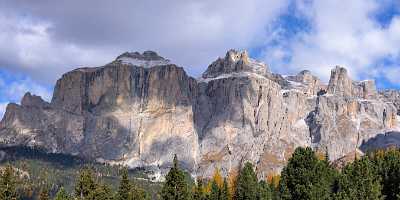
{"points": [[140, 110], [391, 96], [340, 84]]}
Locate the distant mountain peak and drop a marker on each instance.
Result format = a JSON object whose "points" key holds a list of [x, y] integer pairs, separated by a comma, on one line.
{"points": [[237, 62], [145, 59]]}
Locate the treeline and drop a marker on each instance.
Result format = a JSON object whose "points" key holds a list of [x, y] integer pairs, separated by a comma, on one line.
{"points": [[307, 175]]}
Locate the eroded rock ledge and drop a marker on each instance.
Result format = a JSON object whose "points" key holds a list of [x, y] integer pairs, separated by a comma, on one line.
{"points": [[141, 109]]}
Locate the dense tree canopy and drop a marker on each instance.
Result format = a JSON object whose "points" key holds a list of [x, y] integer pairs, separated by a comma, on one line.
{"points": [[306, 177]]}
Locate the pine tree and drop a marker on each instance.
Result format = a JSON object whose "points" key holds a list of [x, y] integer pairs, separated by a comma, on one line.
{"points": [[137, 193], [246, 187], [306, 177], [44, 194], [225, 191], [62, 195], [215, 191], [359, 180], [199, 191], [175, 186], [101, 192], [8, 184], [124, 186], [85, 183], [387, 164], [264, 191]]}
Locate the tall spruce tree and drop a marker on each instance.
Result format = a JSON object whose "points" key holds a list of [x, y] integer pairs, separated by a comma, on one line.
{"points": [[175, 186], [101, 192], [8, 184], [387, 164], [215, 193], [247, 183], [306, 177], [225, 194], [264, 191], [124, 186], [359, 180], [85, 183], [199, 193]]}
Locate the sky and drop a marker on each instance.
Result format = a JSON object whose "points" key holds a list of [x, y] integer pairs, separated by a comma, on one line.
{"points": [[42, 39]]}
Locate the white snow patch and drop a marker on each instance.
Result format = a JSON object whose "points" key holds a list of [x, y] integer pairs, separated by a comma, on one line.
{"points": [[142, 63], [235, 74]]}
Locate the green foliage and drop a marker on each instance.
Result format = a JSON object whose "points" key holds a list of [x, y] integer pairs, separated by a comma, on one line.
{"points": [[225, 190], [359, 180], [216, 192], [264, 191], [175, 186], [8, 184], [101, 192], [388, 168], [62, 195], [85, 183], [306, 177], [199, 193], [124, 186], [247, 183]]}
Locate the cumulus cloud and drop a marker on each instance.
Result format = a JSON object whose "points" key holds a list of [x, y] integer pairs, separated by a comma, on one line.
{"points": [[43, 36], [344, 34]]}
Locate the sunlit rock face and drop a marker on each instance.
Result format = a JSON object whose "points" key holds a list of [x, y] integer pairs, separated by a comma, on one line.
{"points": [[141, 109]]}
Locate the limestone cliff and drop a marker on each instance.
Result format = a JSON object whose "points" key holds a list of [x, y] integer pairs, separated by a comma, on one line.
{"points": [[141, 109]]}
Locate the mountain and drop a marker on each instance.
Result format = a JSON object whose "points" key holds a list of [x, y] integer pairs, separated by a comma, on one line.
{"points": [[141, 109]]}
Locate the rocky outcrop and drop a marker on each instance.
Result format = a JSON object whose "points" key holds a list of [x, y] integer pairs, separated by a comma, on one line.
{"points": [[340, 84], [141, 109], [391, 96]]}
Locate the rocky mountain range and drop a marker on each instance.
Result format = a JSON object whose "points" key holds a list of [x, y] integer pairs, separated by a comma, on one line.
{"points": [[141, 109]]}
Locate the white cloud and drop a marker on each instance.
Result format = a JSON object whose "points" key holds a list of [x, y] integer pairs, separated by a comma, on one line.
{"points": [[13, 91], [341, 34], [37, 38]]}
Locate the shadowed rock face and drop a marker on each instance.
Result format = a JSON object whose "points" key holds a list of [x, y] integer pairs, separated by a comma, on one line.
{"points": [[140, 110]]}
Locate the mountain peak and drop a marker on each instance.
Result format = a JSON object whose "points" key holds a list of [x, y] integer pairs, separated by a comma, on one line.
{"points": [[234, 62], [145, 59]]}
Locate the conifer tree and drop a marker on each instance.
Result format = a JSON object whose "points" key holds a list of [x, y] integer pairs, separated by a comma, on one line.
{"points": [[199, 191], [124, 186], [137, 193], [85, 183], [225, 191], [306, 177], [175, 186], [215, 191], [387, 164], [8, 184], [62, 195], [264, 191], [246, 187], [101, 192], [359, 180]]}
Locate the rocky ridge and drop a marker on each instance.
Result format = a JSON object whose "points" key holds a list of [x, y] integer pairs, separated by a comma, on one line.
{"points": [[141, 109]]}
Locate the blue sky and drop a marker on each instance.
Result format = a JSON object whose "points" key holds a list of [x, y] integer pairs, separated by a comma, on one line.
{"points": [[41, 40]]}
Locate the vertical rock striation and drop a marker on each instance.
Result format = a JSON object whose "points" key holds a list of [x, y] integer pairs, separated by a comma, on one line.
{"points": [[141, 109]]}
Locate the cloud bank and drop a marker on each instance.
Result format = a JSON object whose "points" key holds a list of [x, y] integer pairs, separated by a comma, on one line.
{"points": [[40, 40]]}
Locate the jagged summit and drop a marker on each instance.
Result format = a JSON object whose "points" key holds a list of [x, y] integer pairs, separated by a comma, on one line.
{"points": [[341, 84], [234, 62], [128, 112], [145, 59]]}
